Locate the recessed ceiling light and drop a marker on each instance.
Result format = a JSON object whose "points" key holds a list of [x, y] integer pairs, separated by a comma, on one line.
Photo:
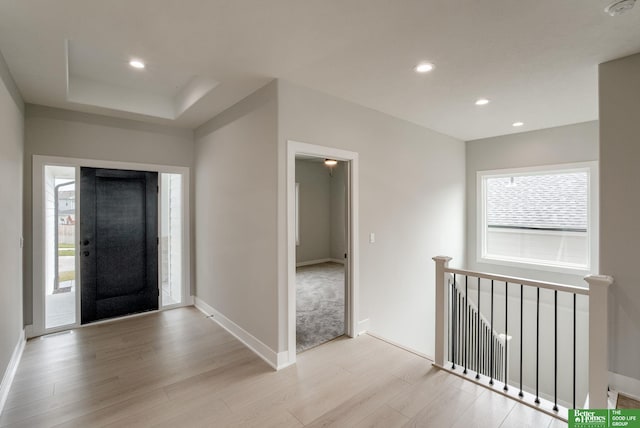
{"points": [[619, 7], [482, 102], [424, 67], [516, 124], [136, 63]]}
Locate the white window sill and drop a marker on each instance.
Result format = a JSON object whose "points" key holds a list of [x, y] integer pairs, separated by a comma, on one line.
{"points": [[536, 265]]}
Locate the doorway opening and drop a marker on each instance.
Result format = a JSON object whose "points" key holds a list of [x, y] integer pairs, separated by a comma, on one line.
{"points": [[344, 267], [321, 236], [60, 247]]}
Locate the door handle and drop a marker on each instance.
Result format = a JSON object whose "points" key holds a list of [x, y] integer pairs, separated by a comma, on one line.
{"points": [[85, 242]]}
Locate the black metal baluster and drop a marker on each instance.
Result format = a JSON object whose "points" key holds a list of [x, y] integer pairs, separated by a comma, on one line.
{"points": [[457, 349], [466, 327], [449, 323], [500, 354], [470, 345], [478, 343], [499, 365], [498, 362], [475, 338], [459, 328], [574, 350], [469, 334], [485, 355], [537, 400], [451, 303], [492, 341], [506, 333], [482, 344], [555, 350], [484, 347], [501, 360], [497, 352], [487, 341], [493, 363], [521, 394], [453, 321]]}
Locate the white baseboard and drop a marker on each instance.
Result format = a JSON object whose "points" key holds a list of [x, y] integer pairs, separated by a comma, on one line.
{"points": [[10, 372], [363, 326], [318, 261], [398, 345], [624, 384], [275, 360], [283, 360]]}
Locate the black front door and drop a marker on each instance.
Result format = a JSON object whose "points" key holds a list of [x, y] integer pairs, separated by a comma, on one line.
{"points": [[118, 242]]}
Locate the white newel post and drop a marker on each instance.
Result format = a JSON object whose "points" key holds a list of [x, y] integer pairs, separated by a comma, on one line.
{"points": [[442, 262], [598, 339]]}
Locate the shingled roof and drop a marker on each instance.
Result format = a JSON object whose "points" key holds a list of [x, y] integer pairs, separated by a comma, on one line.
{"points": [[550, 201]]}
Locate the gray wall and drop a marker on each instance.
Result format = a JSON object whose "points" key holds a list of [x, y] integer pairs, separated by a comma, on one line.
{"points": [[11, 152], [338, 212], [565, 144], [236, 193], [315, 211], [322, 211], [55, 132], [620, 207], [411, 195]]}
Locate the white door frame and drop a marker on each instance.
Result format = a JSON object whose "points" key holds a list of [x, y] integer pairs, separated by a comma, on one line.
{"points": [[352, 290], [38, 230]]}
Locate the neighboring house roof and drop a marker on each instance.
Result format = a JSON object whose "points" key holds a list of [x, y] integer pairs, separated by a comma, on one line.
{"points": [[551, 201]]}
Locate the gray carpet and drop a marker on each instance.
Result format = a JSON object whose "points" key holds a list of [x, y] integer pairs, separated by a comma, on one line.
{"points": [[319, 304]]}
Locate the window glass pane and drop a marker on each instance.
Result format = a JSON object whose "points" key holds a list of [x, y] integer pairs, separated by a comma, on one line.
{"points": [[538, 218], [60, 252], [171, 239], [548, 202]]}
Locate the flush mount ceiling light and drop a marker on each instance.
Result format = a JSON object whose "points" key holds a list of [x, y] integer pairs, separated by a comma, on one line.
{"points": [[136, 63], [619, 7], [423, 67], [330, 162], [482, 102], [517, 124]]}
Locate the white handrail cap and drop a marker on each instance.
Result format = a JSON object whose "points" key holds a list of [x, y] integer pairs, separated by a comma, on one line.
{"points": [[599, 280]]}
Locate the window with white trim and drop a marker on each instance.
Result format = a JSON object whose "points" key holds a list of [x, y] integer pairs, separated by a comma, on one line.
{"points": [[541, 217]]}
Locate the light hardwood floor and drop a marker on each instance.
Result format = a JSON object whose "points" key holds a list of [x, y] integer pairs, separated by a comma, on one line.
{"points": [[179, 369]]}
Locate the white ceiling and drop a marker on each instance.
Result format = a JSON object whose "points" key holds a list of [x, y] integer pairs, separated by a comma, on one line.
{"points": [[535, 60]]}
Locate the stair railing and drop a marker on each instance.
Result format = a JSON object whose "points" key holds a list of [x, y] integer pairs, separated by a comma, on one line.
{"points": [[465, 339], [474, 344]]}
